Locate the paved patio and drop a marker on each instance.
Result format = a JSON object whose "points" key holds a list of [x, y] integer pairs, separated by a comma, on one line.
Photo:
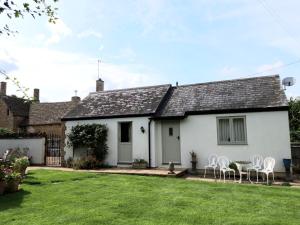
{"points": [[295, 183], [144, 172]]}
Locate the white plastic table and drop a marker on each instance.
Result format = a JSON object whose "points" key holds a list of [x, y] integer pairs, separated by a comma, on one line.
{"points": [[242, 167]]}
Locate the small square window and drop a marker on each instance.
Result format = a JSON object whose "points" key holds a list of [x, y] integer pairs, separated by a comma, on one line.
{"points": [[170, 131]]}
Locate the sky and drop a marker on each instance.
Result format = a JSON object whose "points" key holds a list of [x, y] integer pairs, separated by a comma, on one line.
{"points": [[150, 42]]}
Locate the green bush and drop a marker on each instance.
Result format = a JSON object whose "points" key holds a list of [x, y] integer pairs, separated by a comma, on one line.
{"points": [[233, 166], [69, 162], [139, 161], [17, 153], [92, 136], [5, 132], [2, 173], [20, 165], [13, 176], [88, 162]]}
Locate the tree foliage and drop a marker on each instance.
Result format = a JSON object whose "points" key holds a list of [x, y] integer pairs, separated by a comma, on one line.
{"points": [[18, 9], [294, 117], [92, 136]]}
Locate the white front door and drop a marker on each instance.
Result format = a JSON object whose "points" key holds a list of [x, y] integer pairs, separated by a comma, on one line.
{"points": [[171, 141], [125, 142]]}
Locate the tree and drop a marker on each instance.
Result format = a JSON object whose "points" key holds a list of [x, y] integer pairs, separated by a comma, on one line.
{"points": [[34, 8], [294, 117]]}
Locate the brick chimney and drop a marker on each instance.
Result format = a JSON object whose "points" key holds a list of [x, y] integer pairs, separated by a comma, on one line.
{"points": [[99, 85], [36, 95], [3, 88]]}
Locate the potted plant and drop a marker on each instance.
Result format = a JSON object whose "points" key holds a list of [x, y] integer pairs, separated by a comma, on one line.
{"points": [[20, 165], [139, 164], [12, 180], [2, 180], [194, 162], [194, 156]]}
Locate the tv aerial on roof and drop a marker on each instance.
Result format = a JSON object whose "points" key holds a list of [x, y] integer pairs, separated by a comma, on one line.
{"points": [[288, 81]]}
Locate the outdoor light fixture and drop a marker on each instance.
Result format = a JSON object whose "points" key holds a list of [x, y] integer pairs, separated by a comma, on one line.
{"points": [[142, 129]]}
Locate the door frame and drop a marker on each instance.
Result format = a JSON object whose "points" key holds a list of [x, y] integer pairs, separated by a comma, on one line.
{"points": [[163, 141], [124, 143]]}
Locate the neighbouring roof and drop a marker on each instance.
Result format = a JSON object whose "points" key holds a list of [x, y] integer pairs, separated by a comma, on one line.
{"points": [[249, 93], [49, 113], [18, 106], [123, 102]]}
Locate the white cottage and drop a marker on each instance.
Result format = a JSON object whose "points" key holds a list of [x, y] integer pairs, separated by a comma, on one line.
{"points": [[236, 118]]}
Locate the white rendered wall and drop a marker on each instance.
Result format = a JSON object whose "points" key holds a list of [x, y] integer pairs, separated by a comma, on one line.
{"points": [[36, 147], [139, 139], [267, 135]]}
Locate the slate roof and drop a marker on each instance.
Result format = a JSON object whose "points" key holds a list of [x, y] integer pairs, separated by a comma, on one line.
{"points": [[18, 106], [123, 102], [49, 113], [250, 93]]}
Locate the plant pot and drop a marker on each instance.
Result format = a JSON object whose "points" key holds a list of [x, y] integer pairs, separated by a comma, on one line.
{"points": [[2, 187], [12, 186], [136, 165]]}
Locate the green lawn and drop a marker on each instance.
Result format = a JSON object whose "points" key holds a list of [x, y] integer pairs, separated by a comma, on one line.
{"points": [[52, 197]]}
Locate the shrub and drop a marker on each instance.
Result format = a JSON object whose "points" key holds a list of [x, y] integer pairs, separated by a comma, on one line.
{"points": [[92, 136], [2, 173], [233, 166], [140, 161], [5, 132], [69, 162], [13, 154], [20, 165], [11, 176], [88, 162]]}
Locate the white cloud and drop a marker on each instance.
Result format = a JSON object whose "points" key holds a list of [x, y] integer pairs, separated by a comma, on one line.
{"points": [[89, 33], [59, 73], [58, 31]]}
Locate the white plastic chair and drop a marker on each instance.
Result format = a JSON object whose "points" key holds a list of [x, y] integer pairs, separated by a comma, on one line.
{"points": [[212, 163], [257, 162], [269, 164], [223, 162]]}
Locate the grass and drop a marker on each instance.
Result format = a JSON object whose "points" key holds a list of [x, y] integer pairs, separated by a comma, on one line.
{"points": [[55, 197]]}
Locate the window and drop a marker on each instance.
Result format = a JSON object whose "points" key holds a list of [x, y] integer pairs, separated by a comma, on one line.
{"points": [[125, 132], [231, 130], [170, 131], [7, 112]]}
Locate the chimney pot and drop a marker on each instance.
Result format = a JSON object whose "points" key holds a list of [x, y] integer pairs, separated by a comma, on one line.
{"points": [[3, 88], [36, 95], [75, 99], [99, 85]]}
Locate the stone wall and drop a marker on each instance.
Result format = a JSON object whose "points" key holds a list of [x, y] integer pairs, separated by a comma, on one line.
{"points": [[6, 121], [48, 129]]}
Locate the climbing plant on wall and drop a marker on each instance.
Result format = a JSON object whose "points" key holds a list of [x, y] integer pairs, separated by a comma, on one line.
{"points": [[92, 136]]}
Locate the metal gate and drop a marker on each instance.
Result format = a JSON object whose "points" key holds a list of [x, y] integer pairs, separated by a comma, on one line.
{"points": [[53, 150]]}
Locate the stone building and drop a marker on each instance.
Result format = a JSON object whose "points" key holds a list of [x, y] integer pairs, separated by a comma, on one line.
{"points": [[14, 111], [19, 115]]}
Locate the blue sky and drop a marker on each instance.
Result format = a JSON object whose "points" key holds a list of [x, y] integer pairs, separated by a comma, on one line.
{"points": [[153, 42]]}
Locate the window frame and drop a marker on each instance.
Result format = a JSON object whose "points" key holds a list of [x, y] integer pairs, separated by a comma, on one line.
{"points": [[129, 123], [231, 132]]}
